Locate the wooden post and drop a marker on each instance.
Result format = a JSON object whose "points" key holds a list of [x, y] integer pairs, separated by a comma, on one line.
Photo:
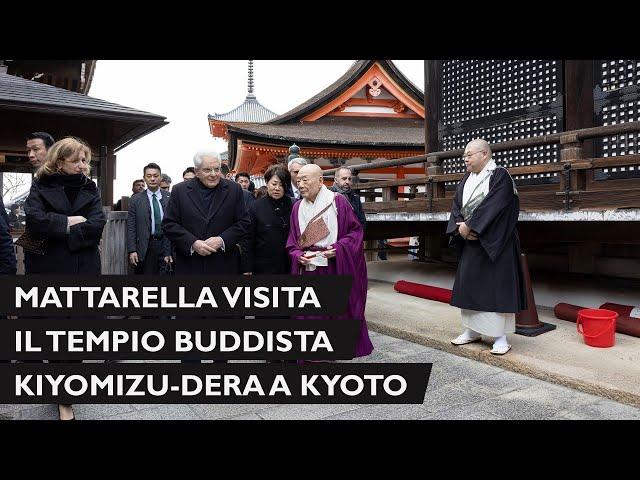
{"points": [[432, 104], [432, 108], [432, 246], [370, 255], [389, 194], [434, 167], [571, 151], [582, 257], [422, 247], [111, 176], [103, 177], [579, 109]]}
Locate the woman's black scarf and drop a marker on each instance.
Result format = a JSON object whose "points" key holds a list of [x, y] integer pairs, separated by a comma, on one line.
{"points": [[71, 183]]}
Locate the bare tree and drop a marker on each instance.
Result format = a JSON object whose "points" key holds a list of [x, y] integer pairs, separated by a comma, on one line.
{"points": [[12, 183]]}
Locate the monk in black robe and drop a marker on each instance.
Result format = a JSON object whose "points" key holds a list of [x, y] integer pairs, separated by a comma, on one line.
{"points": [[489, 285]]}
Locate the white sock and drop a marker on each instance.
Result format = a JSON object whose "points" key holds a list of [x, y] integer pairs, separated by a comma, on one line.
{"points": [[470, 334], [500, 342]]}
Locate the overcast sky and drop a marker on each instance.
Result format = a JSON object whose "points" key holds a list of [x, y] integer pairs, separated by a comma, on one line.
{"points": [[186, 91]]}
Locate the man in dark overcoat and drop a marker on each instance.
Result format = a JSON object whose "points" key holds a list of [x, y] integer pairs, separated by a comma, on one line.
{"points": [[206, 219]]}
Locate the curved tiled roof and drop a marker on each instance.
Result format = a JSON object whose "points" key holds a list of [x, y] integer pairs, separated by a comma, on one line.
{"points": [[23, 93], [128, 124], [251, 111], [406, 132], [343, 83]]}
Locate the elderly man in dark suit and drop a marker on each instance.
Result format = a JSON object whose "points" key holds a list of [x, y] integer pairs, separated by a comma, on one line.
{"points": [[206, 219], [147, 245]]}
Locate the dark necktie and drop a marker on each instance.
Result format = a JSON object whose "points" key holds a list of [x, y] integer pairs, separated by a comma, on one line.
{"points": [[156, 216]]}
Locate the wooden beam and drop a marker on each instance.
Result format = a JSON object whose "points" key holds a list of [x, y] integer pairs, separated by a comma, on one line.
{"points": [[390, 183]]}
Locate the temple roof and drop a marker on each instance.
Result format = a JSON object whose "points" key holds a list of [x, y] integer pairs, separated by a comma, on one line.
{"points": [[16, 90], [343, 83], [250, 111], [21, 94], [341, 131]]}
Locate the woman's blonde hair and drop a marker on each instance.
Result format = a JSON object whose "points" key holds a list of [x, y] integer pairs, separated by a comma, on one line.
{"points": [[60, 151]]}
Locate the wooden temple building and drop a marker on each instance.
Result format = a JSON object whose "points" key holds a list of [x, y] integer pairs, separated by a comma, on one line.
{"points": [[371, 113], [567, 130], [51, 96]]}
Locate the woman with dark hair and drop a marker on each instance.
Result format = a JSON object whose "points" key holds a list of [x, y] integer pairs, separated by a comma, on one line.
{"points": [[64, 210], [263, 251]]}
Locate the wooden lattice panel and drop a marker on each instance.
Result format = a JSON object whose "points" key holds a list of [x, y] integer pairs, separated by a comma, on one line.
{"points": [[476, 89], [617, 101], [617, 74]]}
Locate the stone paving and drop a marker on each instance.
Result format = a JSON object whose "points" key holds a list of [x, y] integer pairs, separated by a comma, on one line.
{"points": [[459, 389]]}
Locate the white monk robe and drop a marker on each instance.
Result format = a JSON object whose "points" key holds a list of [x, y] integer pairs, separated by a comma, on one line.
{"points": [[308, 210], [490, 324]]}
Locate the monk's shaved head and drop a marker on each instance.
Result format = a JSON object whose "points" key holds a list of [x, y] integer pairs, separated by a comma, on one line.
{"points": [[478, 144], [311, 170], [309, 181], [477, 154]]}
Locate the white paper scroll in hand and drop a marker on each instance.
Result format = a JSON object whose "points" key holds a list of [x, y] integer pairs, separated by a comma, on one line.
{"points": [[317, 260]]}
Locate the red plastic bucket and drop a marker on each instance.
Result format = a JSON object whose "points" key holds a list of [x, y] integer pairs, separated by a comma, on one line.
{"points": [[598, 327]]}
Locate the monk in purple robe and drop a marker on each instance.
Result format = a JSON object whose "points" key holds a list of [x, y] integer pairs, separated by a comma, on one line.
{"points": [[338, 253]]}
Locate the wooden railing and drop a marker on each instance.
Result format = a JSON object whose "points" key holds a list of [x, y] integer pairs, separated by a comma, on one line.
{"points": [[577, 188], [113, 246]]}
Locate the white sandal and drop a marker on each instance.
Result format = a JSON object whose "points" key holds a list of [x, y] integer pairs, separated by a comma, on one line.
{"points": [[500, 350], [462, 340]]}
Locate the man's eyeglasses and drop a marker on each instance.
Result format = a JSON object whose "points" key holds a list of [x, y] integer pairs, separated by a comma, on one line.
{"points": [[467, 155], [209, 171]]}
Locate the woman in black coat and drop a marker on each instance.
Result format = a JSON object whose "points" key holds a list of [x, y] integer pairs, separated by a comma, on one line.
{"points": [[263, 251], [64, 209]]}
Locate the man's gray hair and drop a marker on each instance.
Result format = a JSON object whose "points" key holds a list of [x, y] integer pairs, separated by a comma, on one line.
{"points": [[166, 178], [298, 160], [200, 154]]}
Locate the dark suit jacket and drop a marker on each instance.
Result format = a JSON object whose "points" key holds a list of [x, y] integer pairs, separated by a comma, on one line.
{"points": [[249, 199], [186, 221], [7, 253], [356, 204], [48, 208], [139, 224]]}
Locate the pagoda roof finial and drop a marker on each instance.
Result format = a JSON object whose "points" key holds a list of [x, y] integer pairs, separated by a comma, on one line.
{"points": [[250, 91], [251, 110]]}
